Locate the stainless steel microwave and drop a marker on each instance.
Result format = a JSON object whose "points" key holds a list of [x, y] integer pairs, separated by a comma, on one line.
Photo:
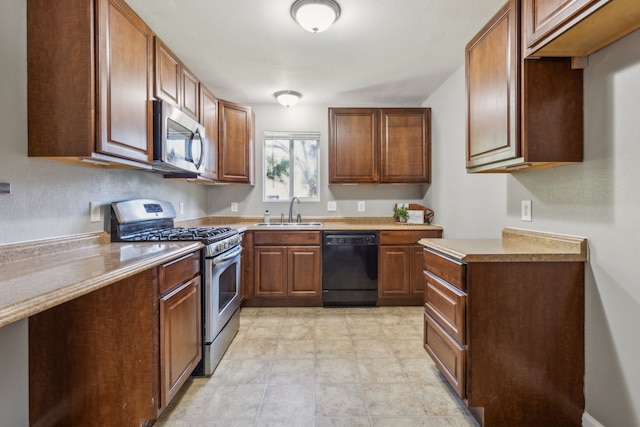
{"points": [[178, 140]]}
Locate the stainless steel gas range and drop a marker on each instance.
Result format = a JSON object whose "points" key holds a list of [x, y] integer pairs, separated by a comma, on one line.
{"points": [[153, 220]]}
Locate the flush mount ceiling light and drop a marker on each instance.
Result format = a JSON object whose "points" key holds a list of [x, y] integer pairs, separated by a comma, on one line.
{"points": [[315, 15], [287, 98]]}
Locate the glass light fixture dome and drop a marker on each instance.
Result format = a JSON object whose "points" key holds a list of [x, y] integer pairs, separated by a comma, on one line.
{"points": [[288, 98], [315, 15]]}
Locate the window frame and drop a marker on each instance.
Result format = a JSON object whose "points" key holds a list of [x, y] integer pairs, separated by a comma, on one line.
{"points": [[291, 136]]}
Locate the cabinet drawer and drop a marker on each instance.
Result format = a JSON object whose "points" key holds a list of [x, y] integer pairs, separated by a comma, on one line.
{"points": [[448, 354], [447, 305], [450, 270], [287, 238], [178, 271], [406, 237]]}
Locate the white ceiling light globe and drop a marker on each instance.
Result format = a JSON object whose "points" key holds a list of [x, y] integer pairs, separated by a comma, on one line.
{"points": [[315, 15], [288, 98]]}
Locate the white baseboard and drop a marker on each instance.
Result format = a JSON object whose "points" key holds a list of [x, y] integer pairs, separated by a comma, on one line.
{"points": [[589, 421]]}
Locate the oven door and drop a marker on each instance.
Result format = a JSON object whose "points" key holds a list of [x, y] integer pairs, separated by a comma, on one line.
{"points": [[222, 291]]}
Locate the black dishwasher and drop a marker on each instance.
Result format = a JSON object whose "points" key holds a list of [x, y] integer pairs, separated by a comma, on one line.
{"points": [[349, 268]]}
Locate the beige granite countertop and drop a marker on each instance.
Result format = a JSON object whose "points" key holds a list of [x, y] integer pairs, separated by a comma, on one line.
{"points": [[38, 275], [35, 276], [516, 245], [329, 223]]}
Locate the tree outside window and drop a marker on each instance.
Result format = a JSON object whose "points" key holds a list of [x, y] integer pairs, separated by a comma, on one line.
{"points": [[291, 165]]}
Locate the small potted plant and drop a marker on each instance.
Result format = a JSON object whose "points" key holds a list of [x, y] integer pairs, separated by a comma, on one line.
{"points": [[401, 212]]}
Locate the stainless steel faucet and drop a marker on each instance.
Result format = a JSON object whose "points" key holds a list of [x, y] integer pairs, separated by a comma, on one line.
{"points": [[291, 208]]}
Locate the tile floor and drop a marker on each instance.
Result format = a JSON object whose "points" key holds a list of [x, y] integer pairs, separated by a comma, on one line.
{"points": [[322, 367]]}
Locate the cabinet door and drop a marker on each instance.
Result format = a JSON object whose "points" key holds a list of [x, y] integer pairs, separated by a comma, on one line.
{"points": [[416, 277], [190, 93], [270, 271], [405, 145], [180, 337], [304, 271], [209, 119], [492, 73], [354, 141], [235, 143], [576, 27], [167, 74], [125, 49], [394, 272]]}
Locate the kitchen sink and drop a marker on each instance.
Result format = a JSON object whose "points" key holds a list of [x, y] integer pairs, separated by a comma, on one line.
{"points": [[288, 224]]}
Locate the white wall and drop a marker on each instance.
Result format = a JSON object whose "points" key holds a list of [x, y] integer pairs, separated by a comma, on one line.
{"points": [[379, 199], [598, 199]]}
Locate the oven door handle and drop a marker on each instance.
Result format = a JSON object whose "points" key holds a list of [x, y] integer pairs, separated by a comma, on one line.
{"points": [[228, 256]]}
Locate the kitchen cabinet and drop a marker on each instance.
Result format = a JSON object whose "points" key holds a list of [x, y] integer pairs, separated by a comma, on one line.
{"points": [[90, 79], [576, 27], [180, 323], [209, 119], [174, 82], [400, 265], [521, 113], [119, 353], [235, 143], [508, 335], [374, 145], [287, 268]]}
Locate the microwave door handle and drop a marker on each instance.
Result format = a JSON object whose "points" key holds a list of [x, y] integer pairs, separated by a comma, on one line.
{"points": [[201, 141]]}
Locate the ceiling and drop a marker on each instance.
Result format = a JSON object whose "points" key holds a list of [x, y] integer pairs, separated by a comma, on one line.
{"points": [[379, 52]]}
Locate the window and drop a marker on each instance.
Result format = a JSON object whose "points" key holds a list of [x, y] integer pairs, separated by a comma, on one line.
{"points": [[291, 165]]}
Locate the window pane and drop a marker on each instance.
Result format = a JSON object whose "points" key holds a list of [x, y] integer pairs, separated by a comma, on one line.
{"points": [[277, 169], [305, 172], [291, 165]]}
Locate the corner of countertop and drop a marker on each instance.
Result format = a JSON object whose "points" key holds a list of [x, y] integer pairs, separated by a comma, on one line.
{"points": [[571, 244]]}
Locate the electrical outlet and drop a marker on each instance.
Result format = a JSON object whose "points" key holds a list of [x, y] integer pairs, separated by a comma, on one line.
{"points": [[331, 206], [94, 211], [181, 208], [360, 205], [234, 206], [525, 212]]}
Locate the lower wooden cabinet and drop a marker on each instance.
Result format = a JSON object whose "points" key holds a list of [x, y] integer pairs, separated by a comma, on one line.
{"points": [[180, 325], [287, 268], [400, 265], [508, 337], [116, 356]]}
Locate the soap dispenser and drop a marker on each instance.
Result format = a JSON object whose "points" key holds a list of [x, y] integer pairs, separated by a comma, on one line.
{"points": [[266, 216]]}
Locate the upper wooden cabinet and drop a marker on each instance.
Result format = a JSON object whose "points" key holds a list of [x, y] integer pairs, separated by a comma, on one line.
{"points": [[373, 145], [174, 82], [209, 119], [89, 83], [405, 144], [576, 27], [521, 113], [235, 143]]}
